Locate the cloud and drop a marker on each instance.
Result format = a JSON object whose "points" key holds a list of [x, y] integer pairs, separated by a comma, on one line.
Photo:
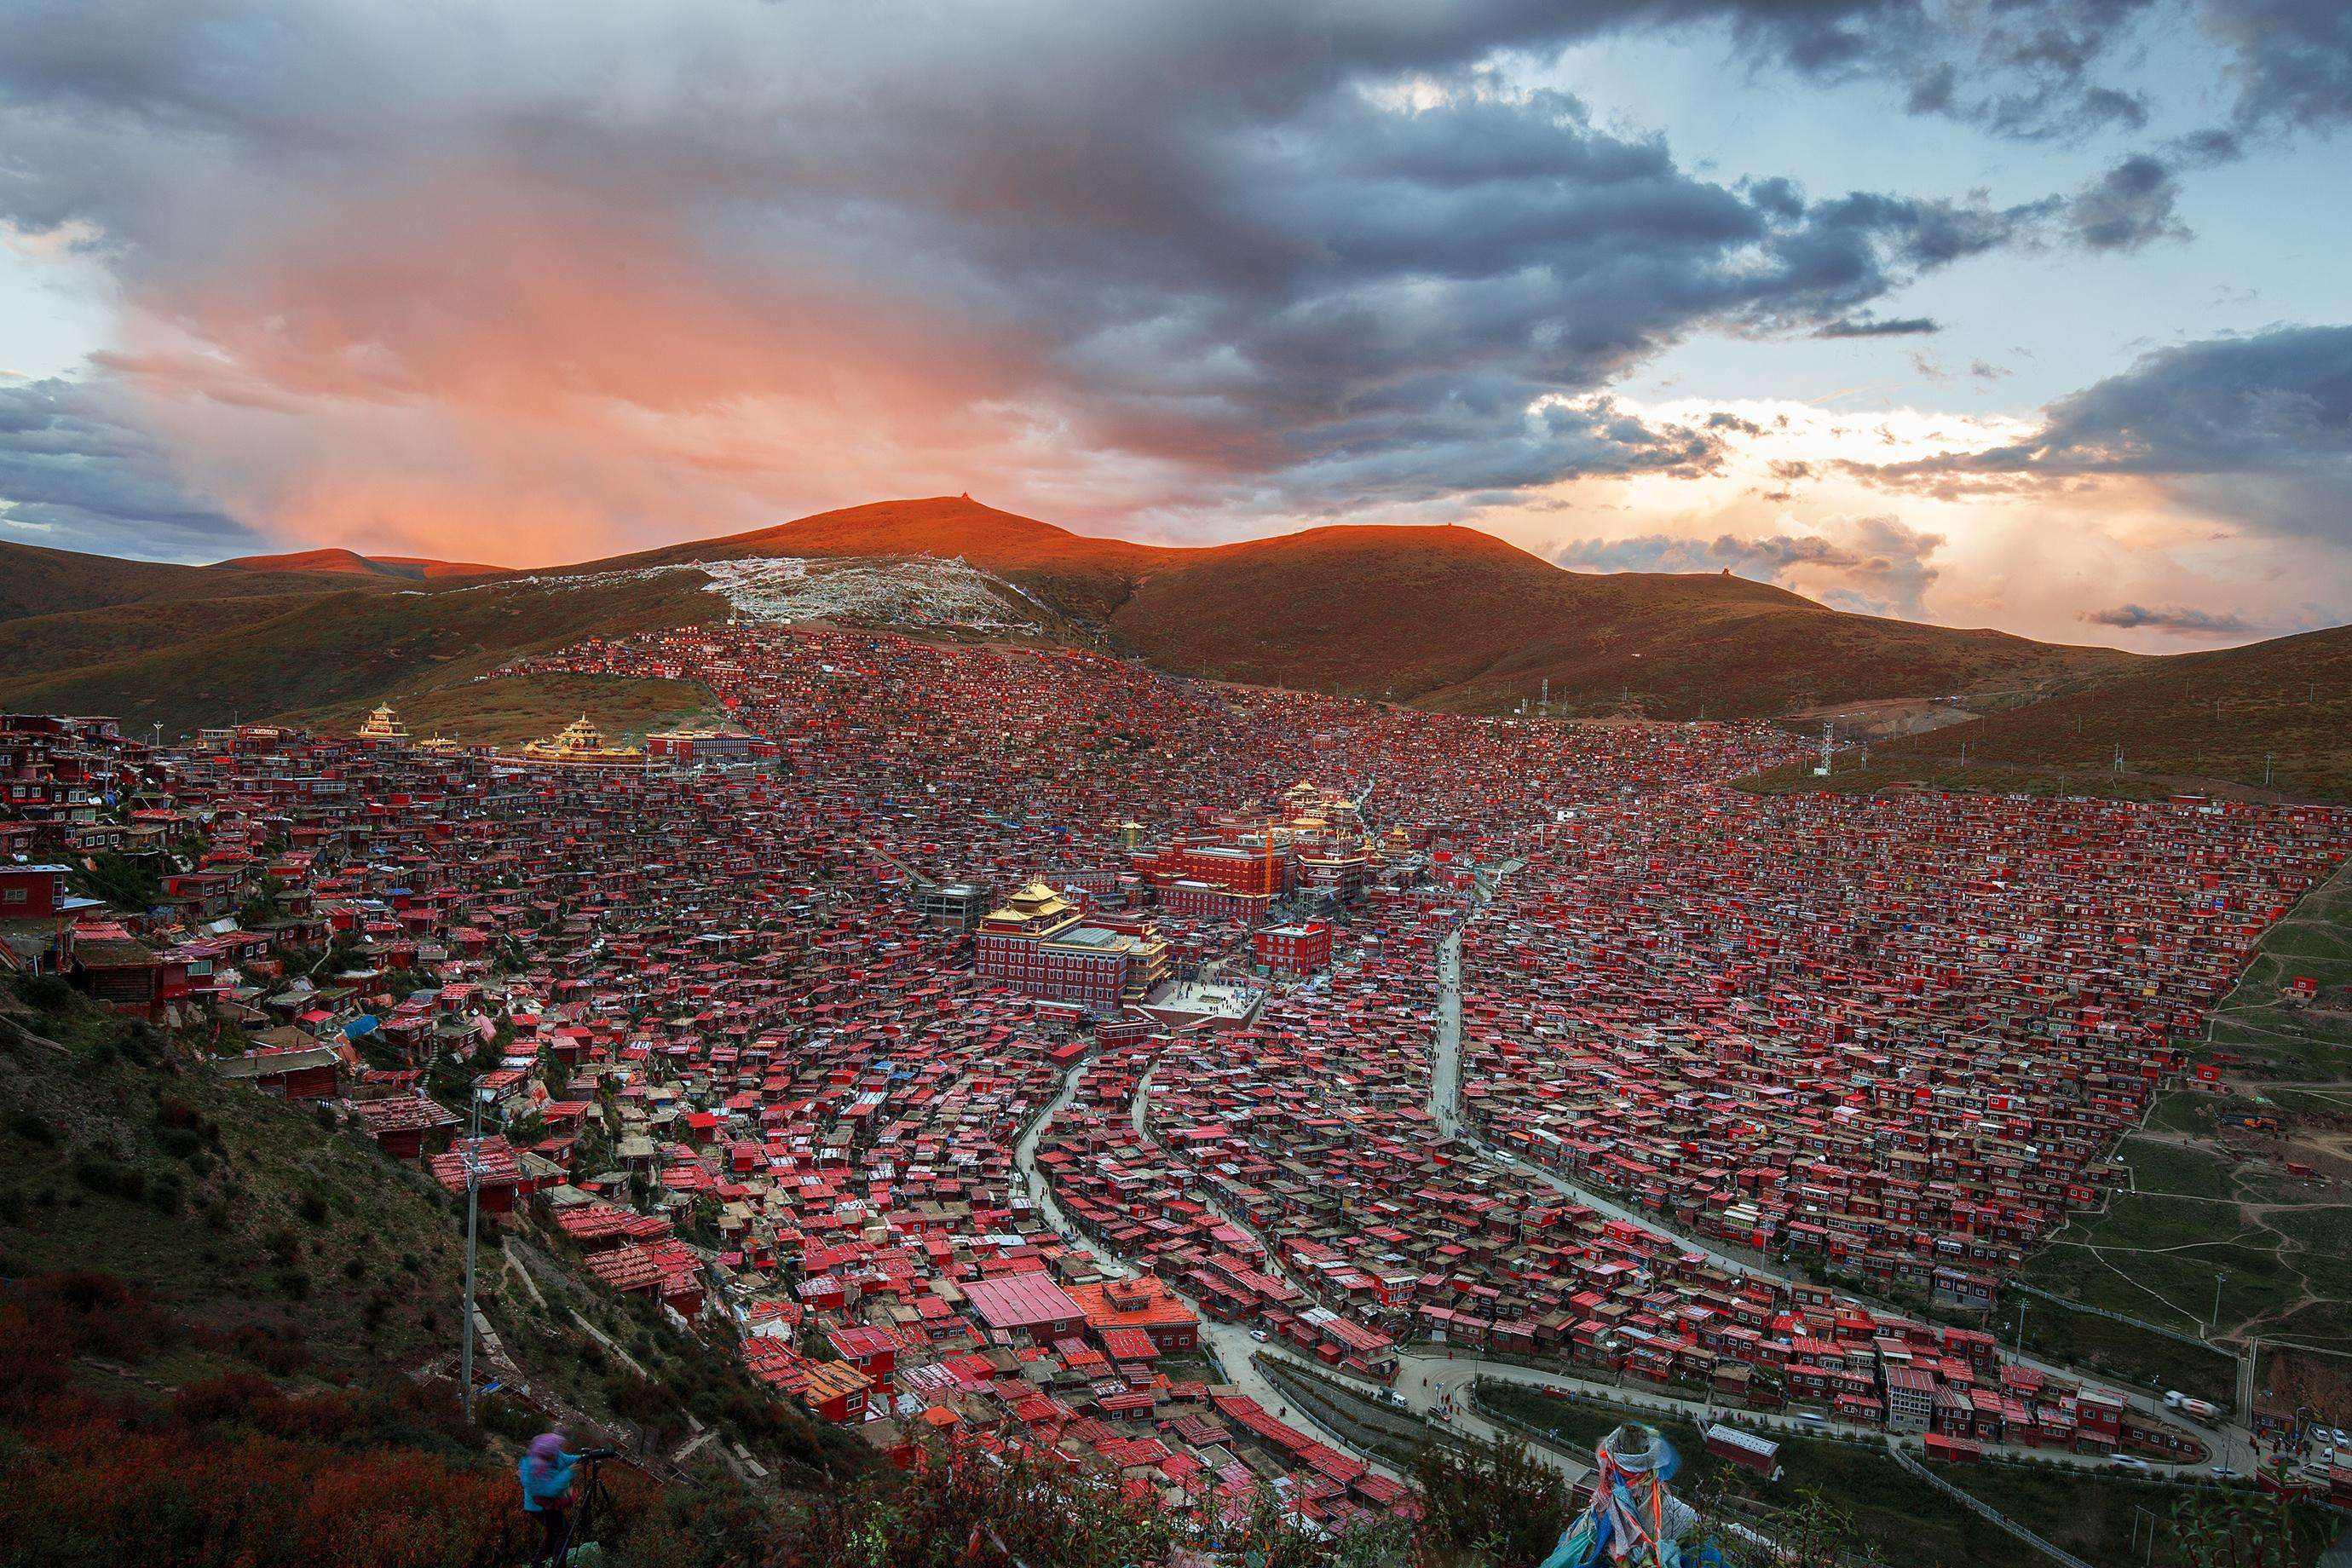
{"points": [[2129, 206], [1868, 326], [2179, 618], [2293, 59], [2048, 70], [2255, 431], [591, 274], [1878, 567], [79, 471]]}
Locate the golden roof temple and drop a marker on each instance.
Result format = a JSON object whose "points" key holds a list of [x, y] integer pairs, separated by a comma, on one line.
{"points": [[383, 727], [581, 745]]}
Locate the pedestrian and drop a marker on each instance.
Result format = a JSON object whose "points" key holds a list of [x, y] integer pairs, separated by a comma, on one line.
{"points": [[545, 1471]]}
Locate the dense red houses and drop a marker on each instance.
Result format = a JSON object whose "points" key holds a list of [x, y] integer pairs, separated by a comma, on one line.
{"points": [[760, 1043]]}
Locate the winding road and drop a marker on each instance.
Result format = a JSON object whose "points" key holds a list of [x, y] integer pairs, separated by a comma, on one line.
{"points": [[2232, 1446], [1435, 1383]]}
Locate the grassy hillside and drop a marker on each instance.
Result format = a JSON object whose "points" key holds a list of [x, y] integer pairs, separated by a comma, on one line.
{"points": [[1886, 1510], [341, 651], [1450, 617], [2188, 718], [227, 1334], [1442, 617], [1446, 618], [33, 645], [507, 708], [38, 581], [1086, 578]]}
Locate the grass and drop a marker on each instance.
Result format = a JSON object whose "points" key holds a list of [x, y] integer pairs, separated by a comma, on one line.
{"points": [[2158, 1250], [2157, 1256], [2259, 1023], [348, 649], [302, 1254], [2120, 1351], [506, 709], [2208, 720], [2095, 1516]]}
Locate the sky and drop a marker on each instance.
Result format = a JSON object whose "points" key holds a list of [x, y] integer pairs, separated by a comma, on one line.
{"points": [[1987, 312]]}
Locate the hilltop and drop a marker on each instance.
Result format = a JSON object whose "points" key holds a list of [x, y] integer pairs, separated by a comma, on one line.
{"points": [[1439, 616], [38, 581], [350, 562]]}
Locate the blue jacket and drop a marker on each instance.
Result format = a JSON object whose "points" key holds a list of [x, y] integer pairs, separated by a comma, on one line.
{"points": [[545, 1485]]}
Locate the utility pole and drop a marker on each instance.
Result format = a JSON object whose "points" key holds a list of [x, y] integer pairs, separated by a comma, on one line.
{"points": [[2023, 1305], [2220, 1277], [473, 1211], [2268, 758]]}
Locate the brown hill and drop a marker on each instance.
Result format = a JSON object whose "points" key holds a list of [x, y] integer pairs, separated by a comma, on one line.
{"points": [[2191, 720], [1082, 576], [1446, 617], [1440, 616], [35, 581], [350, 562], [331, 652], [1451, 617]]}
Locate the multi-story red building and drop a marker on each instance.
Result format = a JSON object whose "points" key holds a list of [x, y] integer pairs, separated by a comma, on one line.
{"points": [[32, 892], [1300, 949], [1261, 868], [1041, 944]]}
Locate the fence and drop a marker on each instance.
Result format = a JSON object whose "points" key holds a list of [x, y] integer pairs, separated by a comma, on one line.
{"points": [[1985, 1511], [1365, 1424]]}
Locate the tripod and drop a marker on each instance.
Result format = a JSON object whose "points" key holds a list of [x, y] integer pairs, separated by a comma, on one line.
{"points": [[580, 1524]]}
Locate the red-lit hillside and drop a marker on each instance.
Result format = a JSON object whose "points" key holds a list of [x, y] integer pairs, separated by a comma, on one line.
{"points": [[1445, 616], [411, 568]]}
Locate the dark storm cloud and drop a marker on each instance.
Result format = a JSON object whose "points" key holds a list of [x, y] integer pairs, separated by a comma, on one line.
{"points": [[2129, 207], [2293, 63], [1872, 327], [2181, 619], [1878, 567], [78, 472], [2257, 429], [1301, 255], [2044, 69]]}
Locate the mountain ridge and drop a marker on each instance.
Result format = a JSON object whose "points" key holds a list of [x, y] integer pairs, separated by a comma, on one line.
{"points": [[1443, 617], [338, 560]]}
